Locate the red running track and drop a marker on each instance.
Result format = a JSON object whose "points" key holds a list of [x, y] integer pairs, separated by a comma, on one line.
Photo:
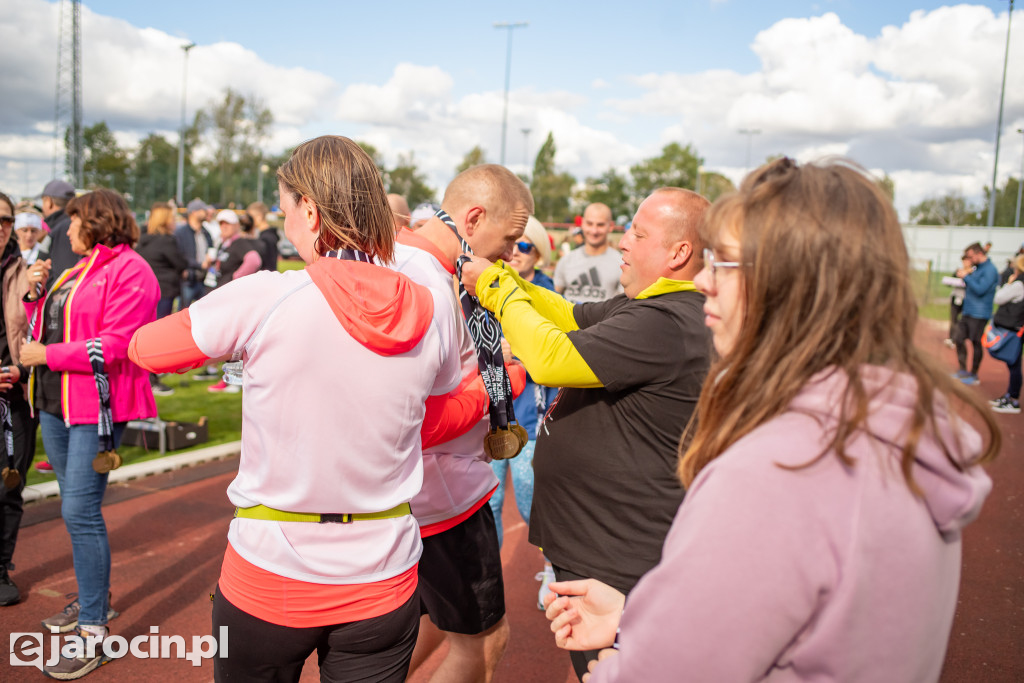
{"points": [[168, 534]]}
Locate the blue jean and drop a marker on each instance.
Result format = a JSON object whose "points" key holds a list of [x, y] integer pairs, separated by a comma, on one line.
{"points": [[190, 292], [71, 451], [521, 468], [1015, 378]]}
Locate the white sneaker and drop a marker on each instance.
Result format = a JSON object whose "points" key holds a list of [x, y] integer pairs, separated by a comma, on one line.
{"points": [[545, 577]]}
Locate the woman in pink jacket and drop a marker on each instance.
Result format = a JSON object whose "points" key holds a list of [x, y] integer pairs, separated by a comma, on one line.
{"points": [[99, 303], [827, 477]]}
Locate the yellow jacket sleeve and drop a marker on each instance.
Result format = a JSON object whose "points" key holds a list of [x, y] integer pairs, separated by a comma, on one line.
{"points": [[535, 322]]}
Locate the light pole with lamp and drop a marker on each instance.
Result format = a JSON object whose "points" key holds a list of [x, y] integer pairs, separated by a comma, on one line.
{"points": [[999, 124], [180, 194], [750, 133], [526, 147], [510, 27], [1020, 181], [259, 182]]}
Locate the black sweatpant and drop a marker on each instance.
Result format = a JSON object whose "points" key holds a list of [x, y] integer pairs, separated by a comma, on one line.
{"points": [[24, 452], [969, 329], [580, 658], [377, 649]]}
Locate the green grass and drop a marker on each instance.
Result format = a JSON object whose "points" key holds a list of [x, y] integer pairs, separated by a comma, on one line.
{"points": [[932, 296], [190, 401]]}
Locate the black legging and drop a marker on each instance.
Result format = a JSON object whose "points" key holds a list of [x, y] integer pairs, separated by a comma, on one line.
{"points": [[377, 649], [972, 329]]}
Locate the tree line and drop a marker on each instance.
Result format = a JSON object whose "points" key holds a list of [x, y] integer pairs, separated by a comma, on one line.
{"points": [[953, 208], [223, 157]]}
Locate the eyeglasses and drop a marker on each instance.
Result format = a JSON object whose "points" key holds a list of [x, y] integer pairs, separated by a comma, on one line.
{"points": [[524, 247], [7, 220], [712, 265]]}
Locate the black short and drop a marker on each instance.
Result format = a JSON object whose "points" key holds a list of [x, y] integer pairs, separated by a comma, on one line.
{"points": [[376, 649], [460, 584]]}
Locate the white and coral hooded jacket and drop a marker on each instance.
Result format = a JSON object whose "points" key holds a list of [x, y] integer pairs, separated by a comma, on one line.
{"points": [[338, 360]]}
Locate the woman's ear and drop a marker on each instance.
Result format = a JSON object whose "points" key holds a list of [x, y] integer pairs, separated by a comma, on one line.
{"points": [[311, 213]]}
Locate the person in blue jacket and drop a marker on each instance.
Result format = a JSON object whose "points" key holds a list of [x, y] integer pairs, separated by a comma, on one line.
{"points": [[981, 280]]}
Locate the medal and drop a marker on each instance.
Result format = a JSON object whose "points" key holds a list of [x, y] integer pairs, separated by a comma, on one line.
{"points": [[106, 461], [505, 443], [11, 478]]}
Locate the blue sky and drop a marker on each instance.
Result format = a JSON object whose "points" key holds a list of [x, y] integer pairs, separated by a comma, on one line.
{"points": [[907, 88]]}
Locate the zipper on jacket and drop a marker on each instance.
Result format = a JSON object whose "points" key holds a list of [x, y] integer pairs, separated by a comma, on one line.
{"points": [[65, 380]]}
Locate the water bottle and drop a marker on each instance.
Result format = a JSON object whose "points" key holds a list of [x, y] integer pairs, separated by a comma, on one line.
{"points": [[233, 373], [211, 273]]}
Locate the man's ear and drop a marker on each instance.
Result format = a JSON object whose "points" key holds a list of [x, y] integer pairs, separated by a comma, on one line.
{"points": [[474, 219], [682, 252]]}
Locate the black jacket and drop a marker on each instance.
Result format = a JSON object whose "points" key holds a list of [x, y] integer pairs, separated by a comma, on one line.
{"points": [[186, 238], [60, 245], [164, 256], [268, 248]]}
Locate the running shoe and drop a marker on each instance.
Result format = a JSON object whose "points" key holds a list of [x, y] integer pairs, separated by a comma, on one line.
{"points": [[960, 374], [996, 401], [89, 656], [9, 594], [44, 467], [223, 387], [969, 379], [161, 389], [67, 620], [1008, 405], [545, 577]]}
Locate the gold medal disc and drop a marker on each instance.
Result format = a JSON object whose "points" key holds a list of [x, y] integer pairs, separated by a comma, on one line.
{"points": [[11, 478], [502, 444], [106, 461]]}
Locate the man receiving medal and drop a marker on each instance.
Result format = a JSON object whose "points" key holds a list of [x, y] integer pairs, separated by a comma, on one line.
{"points": [[484, 212]]}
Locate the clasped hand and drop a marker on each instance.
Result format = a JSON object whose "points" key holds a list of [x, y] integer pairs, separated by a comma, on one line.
{"points": [[584, 615], [471, 271]]}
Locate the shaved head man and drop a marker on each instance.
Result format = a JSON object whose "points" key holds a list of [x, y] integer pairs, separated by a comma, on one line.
{"points": [[400, 210], [460, 581], [591, 273]]}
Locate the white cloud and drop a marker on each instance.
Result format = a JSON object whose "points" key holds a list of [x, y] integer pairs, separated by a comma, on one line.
{"points": [[917, 100]]}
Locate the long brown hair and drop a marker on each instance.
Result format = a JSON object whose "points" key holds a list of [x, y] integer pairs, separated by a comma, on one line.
{"points": [[827, 285], [345, 185]]}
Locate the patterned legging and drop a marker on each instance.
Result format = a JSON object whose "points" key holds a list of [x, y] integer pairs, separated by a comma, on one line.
{"points": [[521, 468]]}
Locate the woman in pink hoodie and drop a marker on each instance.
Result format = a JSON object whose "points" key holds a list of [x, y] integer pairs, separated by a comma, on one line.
{"points": [[828, 476], [99, 302], [338, 361]]}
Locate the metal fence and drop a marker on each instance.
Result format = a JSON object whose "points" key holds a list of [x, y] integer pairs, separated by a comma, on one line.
{"points": [[942, 247]]}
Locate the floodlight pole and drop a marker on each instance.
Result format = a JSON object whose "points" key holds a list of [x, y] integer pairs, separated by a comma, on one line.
{"points": [[750, 133], [508, 74], [180, 194], [999, 124], [1020, 181]]}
